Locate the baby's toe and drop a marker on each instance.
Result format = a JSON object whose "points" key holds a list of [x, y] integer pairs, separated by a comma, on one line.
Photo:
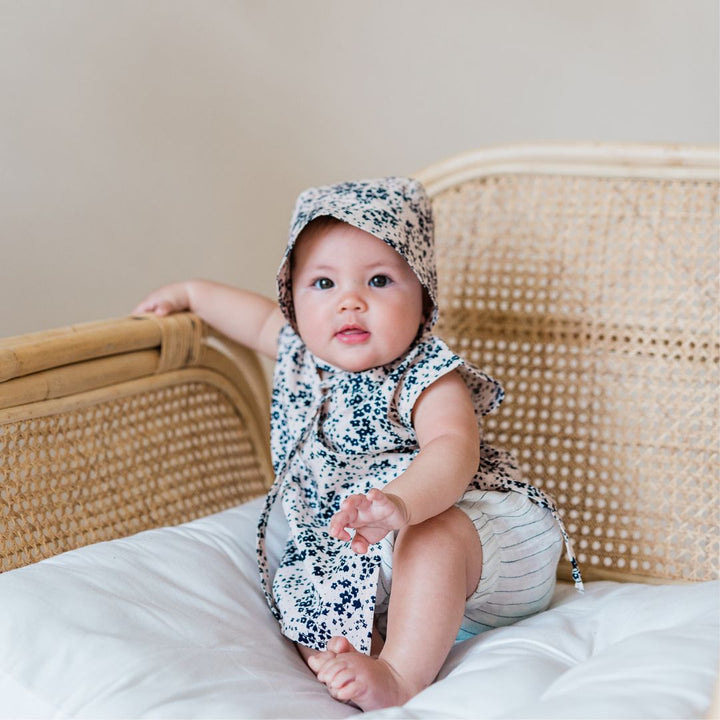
{"points": [[318, 661], [339, 644]]}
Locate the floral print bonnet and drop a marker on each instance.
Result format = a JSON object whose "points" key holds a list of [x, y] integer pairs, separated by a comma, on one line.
{"points": [[394, 209]]}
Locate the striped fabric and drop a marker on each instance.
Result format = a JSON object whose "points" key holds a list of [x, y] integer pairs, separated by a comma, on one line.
{"points": [[522, 544]]}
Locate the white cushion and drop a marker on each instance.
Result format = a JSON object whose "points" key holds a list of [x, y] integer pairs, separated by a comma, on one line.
{"points": [[171, 623]]}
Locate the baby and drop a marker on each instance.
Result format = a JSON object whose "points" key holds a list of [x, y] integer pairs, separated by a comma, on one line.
{"points": [[407, 532]]}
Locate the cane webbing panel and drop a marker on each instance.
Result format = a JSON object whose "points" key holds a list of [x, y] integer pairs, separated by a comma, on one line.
{"points": [[143, 457], [595, 302]]}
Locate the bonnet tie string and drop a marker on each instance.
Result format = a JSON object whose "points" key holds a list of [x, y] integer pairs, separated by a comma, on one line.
{"points": [[538, 497]]}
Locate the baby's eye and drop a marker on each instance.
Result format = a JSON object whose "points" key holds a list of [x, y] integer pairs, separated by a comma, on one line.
{"points": [[379, 281], [323, 283]]}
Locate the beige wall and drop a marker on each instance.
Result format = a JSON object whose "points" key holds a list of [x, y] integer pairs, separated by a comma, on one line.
{"points": [[143, 141]]}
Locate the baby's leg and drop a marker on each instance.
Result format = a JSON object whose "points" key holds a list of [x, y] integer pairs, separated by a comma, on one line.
{"points": [[436, 566]]}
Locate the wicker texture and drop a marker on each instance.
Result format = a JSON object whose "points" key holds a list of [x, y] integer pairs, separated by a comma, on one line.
{"points": [[127, 455], [595, 302]]}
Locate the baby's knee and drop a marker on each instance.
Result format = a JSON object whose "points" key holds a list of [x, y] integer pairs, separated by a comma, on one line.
{"points": [[451, 528], [449, 539]]}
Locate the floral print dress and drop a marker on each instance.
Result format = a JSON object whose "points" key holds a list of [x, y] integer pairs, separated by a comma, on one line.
{"points": [[338, 433]]}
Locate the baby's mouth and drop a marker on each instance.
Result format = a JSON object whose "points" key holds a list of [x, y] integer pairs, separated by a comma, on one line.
{"points": [[352, 334]]}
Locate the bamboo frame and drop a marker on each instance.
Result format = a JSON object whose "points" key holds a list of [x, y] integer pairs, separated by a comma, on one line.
{"points": [[87, 414], [609, 160]]}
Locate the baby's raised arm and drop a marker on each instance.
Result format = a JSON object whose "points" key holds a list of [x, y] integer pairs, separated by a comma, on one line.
{"points": [[246, 317]]}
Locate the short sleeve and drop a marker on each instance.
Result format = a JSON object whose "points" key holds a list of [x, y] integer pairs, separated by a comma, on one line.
{"points": [[430, 360], [487, 393]]}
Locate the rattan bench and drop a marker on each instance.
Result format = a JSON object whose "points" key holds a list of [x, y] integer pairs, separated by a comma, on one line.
{"points": [[583, 277], [110, 428]]}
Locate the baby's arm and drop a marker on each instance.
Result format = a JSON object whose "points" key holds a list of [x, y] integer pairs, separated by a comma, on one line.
{"points": [[246, 317], [448, 436]]}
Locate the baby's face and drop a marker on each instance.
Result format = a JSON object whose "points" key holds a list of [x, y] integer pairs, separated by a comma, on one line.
{"points": [[357, 303]]}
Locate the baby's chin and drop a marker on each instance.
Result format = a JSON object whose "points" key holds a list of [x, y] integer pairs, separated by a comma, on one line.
{"points": [[354, 362], [355, 367]]}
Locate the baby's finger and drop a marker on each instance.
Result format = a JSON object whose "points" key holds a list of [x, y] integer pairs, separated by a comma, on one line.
{"points": [[337, 530], [149, 305], [143, 307], [164, 307], [376, 496], [343, 518], [349, 513], [359, 544], [355, 502]]}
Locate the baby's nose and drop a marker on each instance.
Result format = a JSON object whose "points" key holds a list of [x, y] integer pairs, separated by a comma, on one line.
{"points": [[352, 300]]}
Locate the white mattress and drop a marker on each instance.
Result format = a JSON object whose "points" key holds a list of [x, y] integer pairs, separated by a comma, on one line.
{"points": [[171, 623]]}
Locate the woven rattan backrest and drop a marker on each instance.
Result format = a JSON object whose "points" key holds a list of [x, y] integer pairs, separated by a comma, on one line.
{"points": [[110, 428], [586, 280]]}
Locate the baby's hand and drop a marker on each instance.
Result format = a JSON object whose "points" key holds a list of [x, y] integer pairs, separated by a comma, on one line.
{"points": [[372, 516], [165, 300]]}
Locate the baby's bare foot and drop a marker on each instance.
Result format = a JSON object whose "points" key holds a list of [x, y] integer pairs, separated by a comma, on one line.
{"points": [[370, 683]]}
